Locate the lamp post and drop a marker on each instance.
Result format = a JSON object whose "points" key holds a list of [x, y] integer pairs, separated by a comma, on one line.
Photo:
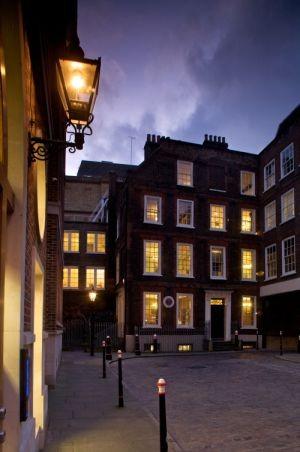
{"points": [[92, 297]]}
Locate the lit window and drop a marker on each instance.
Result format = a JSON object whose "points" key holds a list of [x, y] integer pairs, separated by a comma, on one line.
{"points": [[287, 206], [152, 261], [71, 242], [217, 217], [184, 259], [152, 309], [270, 216], [248, 265], [271, 261], [247, 183], [248, 220], [95, 242], [184, 310], [248, 312], [185, 173], [288, 256], [217, 262], [287, 160], [95, 277], [70, 278], [185, 347], [269, 175], [152, 209], [185, 213]]}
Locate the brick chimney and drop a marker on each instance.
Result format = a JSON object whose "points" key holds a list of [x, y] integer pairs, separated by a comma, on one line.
{"points": [[212, 141]]}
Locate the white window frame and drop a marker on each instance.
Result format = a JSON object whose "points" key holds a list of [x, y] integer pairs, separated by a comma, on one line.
{"points": [[272, 162], [254, 326], [96, 233], [224, 217], [283, 272], [265, 226], [192, 215], [159, 258], [282, 176], [192, 310], [191, 246], [69, 232], [158, 325], [69, 267], [146, 197], [253, 231], [254, 264], [192, 172], [90, 267], [267, 277], [281, 206], [224, 276], [241, 179]]}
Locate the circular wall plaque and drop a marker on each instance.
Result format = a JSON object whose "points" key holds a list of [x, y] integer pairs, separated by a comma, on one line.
{"points": [[168, 302]]}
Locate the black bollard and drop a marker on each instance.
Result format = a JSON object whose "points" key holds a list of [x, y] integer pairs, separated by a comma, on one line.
{"points": [[298, 347], [161, 384], [257, 345], [155, 347], [137, 349], [281, 349], [103, 360], [108, 348], [236, 340], [121, 399]]}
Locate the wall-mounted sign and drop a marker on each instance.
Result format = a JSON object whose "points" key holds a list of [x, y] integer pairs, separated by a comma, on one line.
{"points": [[24, 384], [168, 302]]}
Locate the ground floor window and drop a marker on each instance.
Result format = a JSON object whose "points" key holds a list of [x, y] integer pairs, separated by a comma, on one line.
{"points": [[184, 310], [70, 278], [151, 309], [95, 277], [248, 311]]}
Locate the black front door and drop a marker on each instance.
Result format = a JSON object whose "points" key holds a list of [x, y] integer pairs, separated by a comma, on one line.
{"points": [[217, 320]]}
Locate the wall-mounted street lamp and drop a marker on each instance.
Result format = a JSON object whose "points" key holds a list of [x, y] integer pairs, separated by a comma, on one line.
{"points": [[92, 297], [77, 81]]}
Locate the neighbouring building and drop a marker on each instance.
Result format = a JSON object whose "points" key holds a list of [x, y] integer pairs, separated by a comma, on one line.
{"points": [[205, 242]]}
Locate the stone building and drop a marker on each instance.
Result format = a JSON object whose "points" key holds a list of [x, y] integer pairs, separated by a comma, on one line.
{"points": [[206, 242]]}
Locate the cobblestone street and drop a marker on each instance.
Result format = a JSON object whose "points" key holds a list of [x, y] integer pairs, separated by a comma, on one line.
{"points": [[220, 401]]}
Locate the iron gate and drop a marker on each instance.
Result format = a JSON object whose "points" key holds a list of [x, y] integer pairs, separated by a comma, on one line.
{"points": [[77, 333]]}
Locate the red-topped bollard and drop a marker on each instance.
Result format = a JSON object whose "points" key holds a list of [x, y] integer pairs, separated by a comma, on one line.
{"points": [[121, 399], [236, 340], [103, 359], [161, 385]]}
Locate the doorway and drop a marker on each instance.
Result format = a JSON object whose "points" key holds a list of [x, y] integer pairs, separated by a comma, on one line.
{"points": [[217, 318]]}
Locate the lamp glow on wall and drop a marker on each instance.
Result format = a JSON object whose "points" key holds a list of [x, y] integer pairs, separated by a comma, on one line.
{"points": [[77, 82]]}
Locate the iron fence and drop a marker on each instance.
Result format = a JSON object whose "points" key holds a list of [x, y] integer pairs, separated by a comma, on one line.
{"points": [[77, 333]]}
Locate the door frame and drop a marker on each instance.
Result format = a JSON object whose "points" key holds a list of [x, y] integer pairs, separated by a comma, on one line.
{"points": [[226, 295]]}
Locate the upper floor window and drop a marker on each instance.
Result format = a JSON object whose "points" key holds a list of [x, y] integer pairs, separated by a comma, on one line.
{"points": [[248, 183], [184, 173], [152, 309], [95, 242], [70, 278], [71, 241], [248, 265], [95, 277], [248, 312], [288, 256], [270, 216], [152, 209], [217, 217], [269, 175], [287, 160], [248, 220], [185, 213], [184, 311], [271, 261], [217, 262], [184, 259], [287, 205], [152, 257]]}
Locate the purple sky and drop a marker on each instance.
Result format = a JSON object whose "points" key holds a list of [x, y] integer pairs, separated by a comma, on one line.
{"points": [[183, 68]]}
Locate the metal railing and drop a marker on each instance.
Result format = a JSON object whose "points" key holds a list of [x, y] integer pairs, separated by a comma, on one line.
{"points": [[77, 333]]}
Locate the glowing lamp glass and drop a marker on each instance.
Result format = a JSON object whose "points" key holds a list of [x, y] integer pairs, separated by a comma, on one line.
{"points": [[92, 295]]}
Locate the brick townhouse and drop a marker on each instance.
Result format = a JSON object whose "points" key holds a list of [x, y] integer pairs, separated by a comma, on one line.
{"points": [[198, 250]]}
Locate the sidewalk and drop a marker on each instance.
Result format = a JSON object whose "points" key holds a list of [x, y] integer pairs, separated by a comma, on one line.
{"points": [[293, 357], [83, 412]]}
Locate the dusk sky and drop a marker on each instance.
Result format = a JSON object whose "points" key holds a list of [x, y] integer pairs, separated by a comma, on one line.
{"points": [[183, 68]]}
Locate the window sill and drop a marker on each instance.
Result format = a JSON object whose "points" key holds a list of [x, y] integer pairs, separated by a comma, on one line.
{"points": [[283, 177], [217, 230], [288, 274], [250, 327], [221, 278], [249, 233], [70, 288], [269, 188], [268, 230], [153, 222], [185, 327], [249, 280], [71, 252], [185, 226], [95, 252], [152, 274], [185, 276], [271, 278], [244, 194], [151, 326], [285, 221], [218, 190], [188, 186]]}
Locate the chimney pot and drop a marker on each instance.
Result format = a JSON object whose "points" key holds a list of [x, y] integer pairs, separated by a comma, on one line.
{"points": [[215, 137], [210, 137], [223, 139], [219, 139], [148, 136], [206, 137], [153, 138], [158, 138]]}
